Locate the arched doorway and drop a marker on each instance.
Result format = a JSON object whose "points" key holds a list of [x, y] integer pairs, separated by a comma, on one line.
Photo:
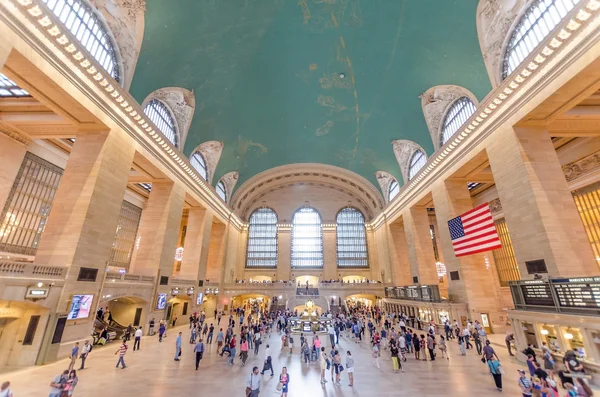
{"points": [[124, 310], [361, 301]]}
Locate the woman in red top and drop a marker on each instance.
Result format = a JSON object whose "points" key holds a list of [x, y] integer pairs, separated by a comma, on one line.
{"points": [[243, 350], [232, 350]]}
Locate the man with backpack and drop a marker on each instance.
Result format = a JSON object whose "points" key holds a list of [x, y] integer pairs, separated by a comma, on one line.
{"points": [[85, 350]]}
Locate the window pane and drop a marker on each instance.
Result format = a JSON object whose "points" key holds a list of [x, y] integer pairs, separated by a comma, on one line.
{"points": [[307, 239], [351, 239], [262, 239], [457, 115], [123, 243], [83, 22], [221, 191], [160, 115], [394, 190], [199, 165], [9, 88], [28, 205], [504, 257], [539, 20], [417, 161]]}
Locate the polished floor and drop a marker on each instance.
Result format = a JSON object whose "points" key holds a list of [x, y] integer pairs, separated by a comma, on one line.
{"points": [[152, 372]]}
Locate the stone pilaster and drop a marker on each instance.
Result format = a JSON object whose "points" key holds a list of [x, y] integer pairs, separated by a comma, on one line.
{"points": [[12, 154], [197, 238], [84, 216], [538, 206], [420, 247], [399, 255], [329, 254], [284, 251], [216, 251], [158, 230], [475, 285]]}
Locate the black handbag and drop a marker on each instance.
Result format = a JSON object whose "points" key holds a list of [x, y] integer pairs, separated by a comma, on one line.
{"points": [[483, 360]]}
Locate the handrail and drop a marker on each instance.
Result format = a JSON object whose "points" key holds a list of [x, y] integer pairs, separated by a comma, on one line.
{"points": [[129, 278]]}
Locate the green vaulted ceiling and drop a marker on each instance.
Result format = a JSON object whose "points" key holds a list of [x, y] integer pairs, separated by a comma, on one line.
{"points": [[266, 74]]}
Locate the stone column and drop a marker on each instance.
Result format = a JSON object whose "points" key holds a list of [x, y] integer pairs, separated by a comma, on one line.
{"points": [[82, 223], [216, 250], [158, 230], [538, 206], [399, 255], [12, 153], [284, 247], [197, 238], [329, 254], [420, 248], [475, 285]]}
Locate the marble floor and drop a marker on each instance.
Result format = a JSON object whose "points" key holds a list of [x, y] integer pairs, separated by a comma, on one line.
{"points": [[152, 372]]}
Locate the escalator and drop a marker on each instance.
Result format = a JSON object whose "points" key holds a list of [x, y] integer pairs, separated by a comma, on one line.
{"points": [[115, 330]]}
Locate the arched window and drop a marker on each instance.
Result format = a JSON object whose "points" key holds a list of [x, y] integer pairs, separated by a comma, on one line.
{"points": [[458, 113], [161, 116], [221, 191], [9, 88], [533, 27], [417, 161], [197, 161], [262, 239], [89, 30], [393, 190], [351, 239], [307, 239]]}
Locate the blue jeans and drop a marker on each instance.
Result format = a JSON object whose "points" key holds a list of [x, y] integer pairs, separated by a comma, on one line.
{"points": [[232, 351], [121, 361], [177, 350]]}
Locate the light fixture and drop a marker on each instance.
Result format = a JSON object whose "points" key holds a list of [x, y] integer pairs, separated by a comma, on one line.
{"points": [[568, 336], [40, 285], [280, 297], [544, 331], [441, 269], [342, 75], [179, 254]]}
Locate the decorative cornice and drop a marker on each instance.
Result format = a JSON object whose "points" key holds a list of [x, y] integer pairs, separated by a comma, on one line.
{"points": [[15, 134], [495, 206], [384, 179], [581, 167], [403, 150]]}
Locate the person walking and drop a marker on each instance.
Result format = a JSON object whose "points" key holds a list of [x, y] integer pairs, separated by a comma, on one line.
{"points": [[350, 368], [431, 346], [253, 382], [284, 380], [72, 381], [443, 348], [395, 360], [121, 352], [58, 383], [137, 338], [375, 355], [219, 339], [178, 347], [232, 350], [478, 345], [268, 361], [496, 371], [243, 350], [74, 355], [416, 345], [161, 331], [323, 365], [199, 350], [85, 350], [525, 384], [211, 331]]}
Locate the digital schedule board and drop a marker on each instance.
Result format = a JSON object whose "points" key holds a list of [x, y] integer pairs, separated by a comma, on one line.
{"points": [[581, 292]]}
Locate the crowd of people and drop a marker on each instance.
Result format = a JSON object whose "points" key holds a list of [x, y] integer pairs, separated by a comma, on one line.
{"points": [[389, 335]]}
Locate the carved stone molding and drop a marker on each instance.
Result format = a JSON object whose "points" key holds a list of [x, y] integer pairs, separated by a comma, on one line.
{"points": [[403, 150], [495, 18], [125, 19], [581, 167], [15, 134], [436, 102], [182, 103], [384, 179], [319, 174], [495, 206], [211, 151], [230, 180]]}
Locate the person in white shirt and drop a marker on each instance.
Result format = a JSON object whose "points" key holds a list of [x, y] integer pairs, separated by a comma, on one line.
{"points": [[466, 335], [138, 337], [402, 346], [85, 350], [402, 325], [268, 363]]}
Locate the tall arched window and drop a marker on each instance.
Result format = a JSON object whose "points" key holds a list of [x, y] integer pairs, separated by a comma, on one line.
{"points": [[351, 239], [262, 239], [221, 191], [417, 161], [393, 190], [87, 27], [307, 239], [458, 113], [533, 27], [197, 161], [161, 116]]}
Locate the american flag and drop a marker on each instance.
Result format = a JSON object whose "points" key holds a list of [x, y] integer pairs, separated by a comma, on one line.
{"points": [[474, 231]]}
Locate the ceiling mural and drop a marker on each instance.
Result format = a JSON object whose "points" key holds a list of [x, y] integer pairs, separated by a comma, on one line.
{"points": [[309, 81]]}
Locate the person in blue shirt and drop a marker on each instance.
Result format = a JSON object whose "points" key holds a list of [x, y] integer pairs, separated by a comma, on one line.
{"points": [[74, 355], [199, 350], [178, 347], [496, 371]]}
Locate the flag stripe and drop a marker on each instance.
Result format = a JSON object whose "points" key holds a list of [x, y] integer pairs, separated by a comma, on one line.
{"points": [[474, 231]]}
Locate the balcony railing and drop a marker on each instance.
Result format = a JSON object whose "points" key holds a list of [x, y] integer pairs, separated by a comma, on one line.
{"points": [[128, 278], [30, 270]]}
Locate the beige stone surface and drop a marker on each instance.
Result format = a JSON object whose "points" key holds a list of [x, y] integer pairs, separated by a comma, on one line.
{"points": [[539, 209], [399, 255], [158, 225], [197, 238], [12, 154], [419, 244]]}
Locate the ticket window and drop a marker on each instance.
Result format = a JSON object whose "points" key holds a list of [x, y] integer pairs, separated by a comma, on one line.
{"points": [[485, 322], [530, 337], [574, 340], [549, 334]]}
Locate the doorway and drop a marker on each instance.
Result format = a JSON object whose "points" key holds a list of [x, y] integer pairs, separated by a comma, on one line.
{"points": [[7, 340]]}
